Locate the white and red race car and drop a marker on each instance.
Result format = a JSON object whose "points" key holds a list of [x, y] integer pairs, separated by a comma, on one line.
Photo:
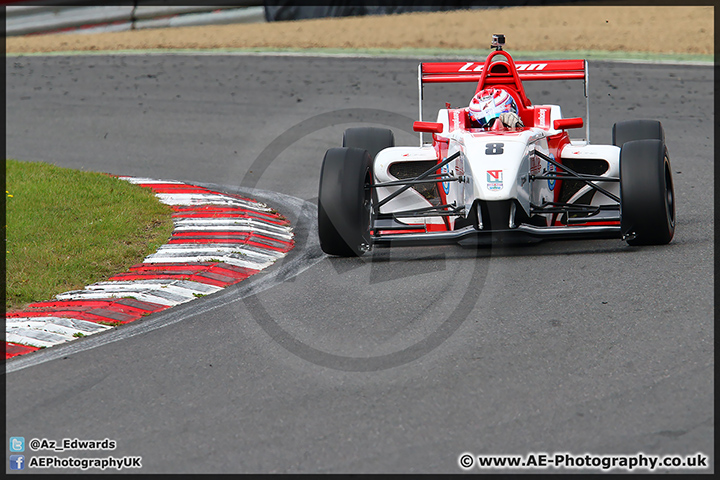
{"points": [[475, 186]]}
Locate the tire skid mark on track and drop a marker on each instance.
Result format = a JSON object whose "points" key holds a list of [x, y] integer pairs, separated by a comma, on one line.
{"points": [[218, 240]]}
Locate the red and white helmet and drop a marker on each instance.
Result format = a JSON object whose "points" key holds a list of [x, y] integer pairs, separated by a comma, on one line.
{"points": [[490, 103]]}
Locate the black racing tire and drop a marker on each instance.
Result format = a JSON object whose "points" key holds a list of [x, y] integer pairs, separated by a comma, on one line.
{"points": [[345, 202], [647, 196], [372, 139], [629, 130]]}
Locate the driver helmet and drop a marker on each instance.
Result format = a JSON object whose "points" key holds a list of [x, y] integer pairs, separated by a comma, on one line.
{"points": [[488, 104]]}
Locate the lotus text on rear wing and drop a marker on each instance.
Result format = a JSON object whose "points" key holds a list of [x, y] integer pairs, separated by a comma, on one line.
{"points": [[523, 67]]}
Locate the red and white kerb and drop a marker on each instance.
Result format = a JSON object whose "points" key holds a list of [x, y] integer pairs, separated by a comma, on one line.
{"points": [[219, 239]]}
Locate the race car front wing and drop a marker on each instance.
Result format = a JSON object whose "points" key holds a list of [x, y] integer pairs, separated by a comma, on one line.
{"points": [[520, 234]]}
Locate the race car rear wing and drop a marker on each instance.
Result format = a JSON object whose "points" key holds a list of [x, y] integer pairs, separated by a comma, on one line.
{"points": [[453, 72], [472, 71]]}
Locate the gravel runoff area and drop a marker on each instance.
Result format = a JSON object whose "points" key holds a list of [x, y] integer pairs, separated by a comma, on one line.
{"points": [[674, 30]]}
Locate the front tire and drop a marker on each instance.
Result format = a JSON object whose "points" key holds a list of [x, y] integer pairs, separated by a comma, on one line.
{"points": [[630, 130], [372, 139], [647, 196], [345, 202]]}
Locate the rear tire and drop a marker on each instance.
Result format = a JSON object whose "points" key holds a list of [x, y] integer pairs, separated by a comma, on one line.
{"points": [[371, 139], [647, 196], [345, 202], [630, 130]]}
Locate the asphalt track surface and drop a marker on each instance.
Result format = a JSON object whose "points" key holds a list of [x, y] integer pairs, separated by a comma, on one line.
{"points": [[396, 362]]}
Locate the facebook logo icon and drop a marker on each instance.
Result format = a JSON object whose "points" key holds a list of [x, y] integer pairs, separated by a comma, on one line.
{"points": [[17, 462]]}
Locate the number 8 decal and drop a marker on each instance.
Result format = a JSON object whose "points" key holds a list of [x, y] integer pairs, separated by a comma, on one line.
{"points": [[494, 148]]}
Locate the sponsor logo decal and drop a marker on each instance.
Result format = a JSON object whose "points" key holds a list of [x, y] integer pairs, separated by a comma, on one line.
{"points": [[535, 165], [455, 120], [541, 118], [530, 66], [446, 185], [495, 179], [468, 67], [521, 67], [551, 168]]}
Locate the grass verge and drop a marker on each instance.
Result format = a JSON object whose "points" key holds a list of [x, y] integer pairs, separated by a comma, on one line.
{"points": [[68, 228]]}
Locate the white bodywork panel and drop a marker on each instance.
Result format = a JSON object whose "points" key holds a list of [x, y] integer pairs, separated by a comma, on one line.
{"points": [[609, 153], [410, 199], [494, 165]]}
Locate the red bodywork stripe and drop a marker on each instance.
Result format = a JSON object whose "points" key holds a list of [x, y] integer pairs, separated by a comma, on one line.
{"points": [[430, 227], [398, 232], [556, 143]]}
